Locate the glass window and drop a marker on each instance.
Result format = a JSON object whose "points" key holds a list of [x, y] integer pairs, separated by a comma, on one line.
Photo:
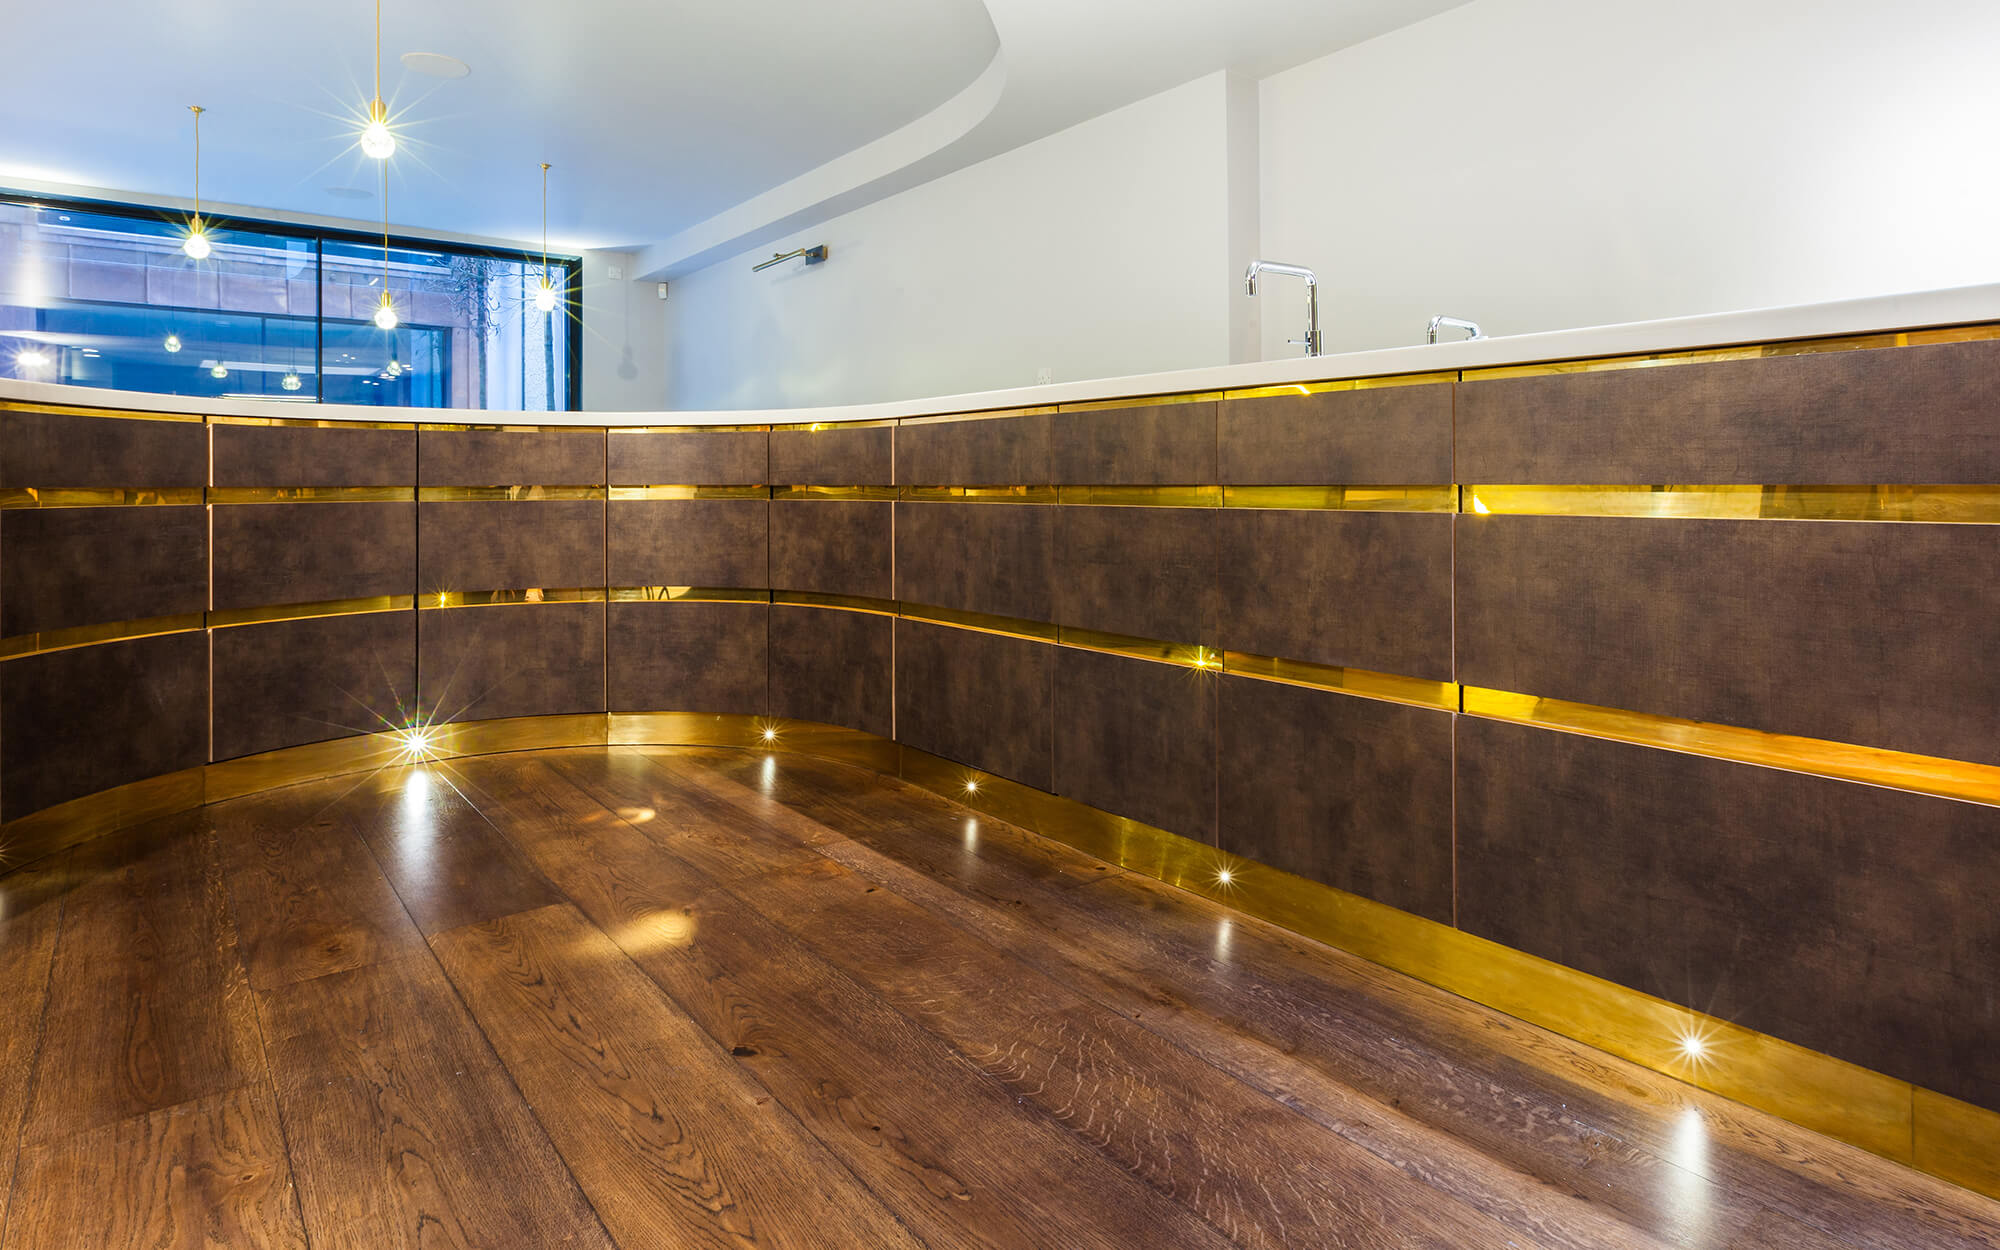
{"points": [[92, 295]]}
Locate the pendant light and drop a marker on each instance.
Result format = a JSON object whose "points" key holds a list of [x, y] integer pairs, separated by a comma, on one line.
{"points": [[377, 140], [172, 343], [385, 315], [196, 243], [545, 293]]}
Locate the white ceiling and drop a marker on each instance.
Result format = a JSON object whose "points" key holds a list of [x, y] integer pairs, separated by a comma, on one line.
{"points": [[661, 118]]}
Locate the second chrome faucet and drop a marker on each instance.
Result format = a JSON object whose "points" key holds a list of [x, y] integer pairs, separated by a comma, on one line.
{"points": [[1261, 267]]}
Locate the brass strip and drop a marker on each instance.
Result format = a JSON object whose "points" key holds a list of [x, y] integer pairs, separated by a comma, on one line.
{"points": [[979, 494], [1748, 351], [310, 494], [18, 497], [304, 611], [1143, 401], [315, 761], [689, 492], [990, 414], [1142, 496], [312, 423], [883, 493], [504, 598], [49, 640], [1344, 498], [814, 427], [687, 429], [465, 494], [114, 414], [40, 834], [1973, 505], [1355, 681], [1957, 1141], [767, 734], [1955, 779], [846, 603], [982, 622], [1343, 384], [1186, 655], [461, 427], [687, 594]]}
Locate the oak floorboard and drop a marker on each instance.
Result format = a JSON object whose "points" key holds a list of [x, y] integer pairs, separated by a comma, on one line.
{"points": [[1256, 1169], [1289, 1013], [956, 1156], [404, 1130], [671, 1141], [148, 1003], [309, 899], [31, 906], [208, 1173]]}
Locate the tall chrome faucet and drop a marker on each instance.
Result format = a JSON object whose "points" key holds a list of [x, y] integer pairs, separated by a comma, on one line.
{"points": [[1471, 328], [1259, 267]]}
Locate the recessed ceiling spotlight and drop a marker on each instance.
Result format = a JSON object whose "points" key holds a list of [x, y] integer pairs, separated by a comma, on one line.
{"points": [[436, 64]]}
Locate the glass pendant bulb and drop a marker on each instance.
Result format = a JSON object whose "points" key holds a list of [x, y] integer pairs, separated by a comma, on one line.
{"points": [[385, 316], [291, 382], [33, 358], [196, 244], [545, 297], [395, 369], [173, 343], [220, 371], [377, 140]]}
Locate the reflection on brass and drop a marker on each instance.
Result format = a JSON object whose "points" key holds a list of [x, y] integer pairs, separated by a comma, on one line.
{"points": [[1355, 681], [302, 611], [687, 594], [985, 623], [315, 761], [1186, 655], [1142, 496], [312, 423], [688, 429], [1958, 1141], [57, 828], [1977, 505], [1809, 1088], [814, 427], [465, 494], [833, 492], [502, 598], [517, 733], [1344, 498], [14, 497], [1955, 779], [1146, 401], [460, 427], [115, 414], [311, 494], [1753, 351], [847, 603], [990, 414], [759, 733], [690, 492], [979, 494], [90, 635], [1343, 384]]}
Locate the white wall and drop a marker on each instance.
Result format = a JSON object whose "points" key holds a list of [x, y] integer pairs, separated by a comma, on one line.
{"points": [[624, 351], [1103, 249], [1541, 164]]}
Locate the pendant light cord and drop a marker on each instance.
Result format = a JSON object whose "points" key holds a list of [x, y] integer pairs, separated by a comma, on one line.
{"points": [[545, 221], [378, 51], [197, 110]]}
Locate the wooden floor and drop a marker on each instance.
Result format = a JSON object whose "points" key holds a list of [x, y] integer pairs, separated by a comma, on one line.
{"points": [[667, 997]]}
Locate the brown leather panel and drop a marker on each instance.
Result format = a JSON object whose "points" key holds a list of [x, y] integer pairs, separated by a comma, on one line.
{"points": [[688, 657], [279, 455], [61, 449], [1162, 445], [531, 659], [64, 567], [985, 700], [313, 552], [506, 545], [833, 667], [1144, 572], [976, 557], [542, 457], [690, 458], [292, 682], [995, 451], [833, 456], [833, 547], [689, 542], [1385, 436], [1137, 739]]}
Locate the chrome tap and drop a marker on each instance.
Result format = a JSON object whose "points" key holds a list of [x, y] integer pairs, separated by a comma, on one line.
{"points": [[1456, 323], [1258, 267]]}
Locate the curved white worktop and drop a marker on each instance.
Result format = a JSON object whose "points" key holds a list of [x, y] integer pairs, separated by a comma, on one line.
{"points": [[1952, 306]]}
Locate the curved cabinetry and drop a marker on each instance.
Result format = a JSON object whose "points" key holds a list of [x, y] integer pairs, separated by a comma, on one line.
{"points": [[1635, 701]]}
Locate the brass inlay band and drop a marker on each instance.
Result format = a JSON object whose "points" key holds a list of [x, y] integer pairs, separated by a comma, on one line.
{"points": [[1344, 498], [687, 594], [1144, 401], [303, 611], [816, 427], [689, 492], [982, 622], [979, 494], [312, 423], [1957, 1141], [688, 429], [1141, 496], [1356, 681], [846, 603], [1925, 774], [991, 414], [17, 497], [880, 493], [504, 598], [478, 494], [1343, 384], [48, 640], [114, 414], [1973, 505], [1185, 655], [461, 427], [1750, 351], [310, 494]]}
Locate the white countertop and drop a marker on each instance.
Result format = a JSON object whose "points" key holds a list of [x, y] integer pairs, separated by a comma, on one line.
{"points": [[1915, 310]]}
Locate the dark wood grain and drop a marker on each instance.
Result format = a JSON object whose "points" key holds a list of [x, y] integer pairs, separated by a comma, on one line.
{"points": [[207, 1173], [31, 907], [404, 1131], [672, 1141]]}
